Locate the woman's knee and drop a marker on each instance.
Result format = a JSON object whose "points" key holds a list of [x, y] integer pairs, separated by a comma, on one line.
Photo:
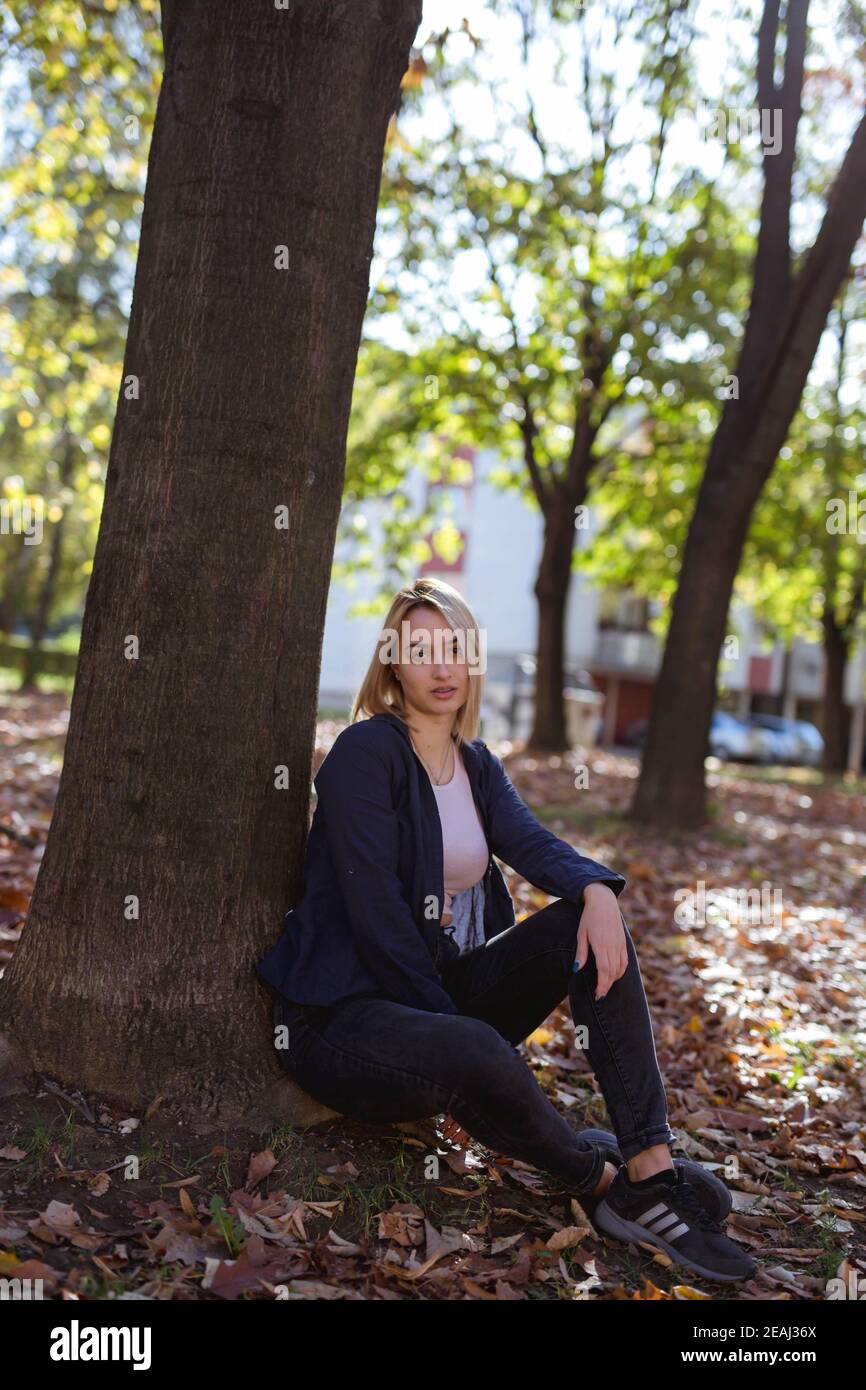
{"points": [[555, 925], [478, 1056]]}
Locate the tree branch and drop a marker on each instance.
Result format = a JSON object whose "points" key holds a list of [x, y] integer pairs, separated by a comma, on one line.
{"points": [[772, 272], [529, 430], [786, 367]]}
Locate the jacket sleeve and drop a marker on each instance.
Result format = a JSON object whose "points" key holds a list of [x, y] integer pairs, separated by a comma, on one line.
{"points": [[544, 860], [353, 786]]}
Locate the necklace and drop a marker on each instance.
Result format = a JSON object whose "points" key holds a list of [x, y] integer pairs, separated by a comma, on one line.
{"points": [[436, 780]]}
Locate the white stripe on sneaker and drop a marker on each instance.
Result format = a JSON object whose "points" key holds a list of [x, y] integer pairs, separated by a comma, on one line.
{"points": [[662, 1221], [660, 1209], [681, 1230], [670, 1219]]}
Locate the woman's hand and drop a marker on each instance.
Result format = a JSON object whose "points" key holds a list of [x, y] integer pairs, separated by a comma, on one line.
{"points": [[452, 1130], [601, 928]]}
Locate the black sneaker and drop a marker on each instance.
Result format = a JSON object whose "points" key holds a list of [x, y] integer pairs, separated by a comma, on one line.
{"points": [[666, 1213], [715, 1195]]}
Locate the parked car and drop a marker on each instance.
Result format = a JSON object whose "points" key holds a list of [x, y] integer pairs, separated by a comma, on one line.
{"points": [[729, 738], [733, 739], [791, 741], [780, 738], [813, 743]]}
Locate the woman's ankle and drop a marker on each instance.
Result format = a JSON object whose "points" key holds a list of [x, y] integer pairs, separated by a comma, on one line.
{"points": [[648, 1162], [607, 1176]]}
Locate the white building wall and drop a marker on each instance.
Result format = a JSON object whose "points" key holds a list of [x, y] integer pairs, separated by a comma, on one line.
{"points": [[500, 565]]}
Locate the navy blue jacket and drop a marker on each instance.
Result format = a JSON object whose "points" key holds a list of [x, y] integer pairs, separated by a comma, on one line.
{"points": [[369, 922]]}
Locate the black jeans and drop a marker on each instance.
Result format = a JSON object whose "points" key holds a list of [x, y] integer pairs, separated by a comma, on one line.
{"points": [[375, 1060]]}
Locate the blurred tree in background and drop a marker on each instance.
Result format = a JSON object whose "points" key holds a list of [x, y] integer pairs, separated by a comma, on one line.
{"points": [[79, 99]]}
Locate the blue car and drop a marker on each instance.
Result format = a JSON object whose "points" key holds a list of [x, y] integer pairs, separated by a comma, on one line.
{"points": [[730, 739]]}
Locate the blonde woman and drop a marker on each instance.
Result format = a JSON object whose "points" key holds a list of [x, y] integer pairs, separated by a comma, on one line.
{"points": [[406, 983]]}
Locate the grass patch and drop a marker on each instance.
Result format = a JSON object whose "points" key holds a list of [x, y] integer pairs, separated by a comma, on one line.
{"points": [[10, 682], [584, 818]]}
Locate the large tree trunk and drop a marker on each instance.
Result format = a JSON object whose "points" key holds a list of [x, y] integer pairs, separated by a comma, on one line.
{"points": [[669, 792], [786, 320], [835, 712], [175, 847], [549, 732]]}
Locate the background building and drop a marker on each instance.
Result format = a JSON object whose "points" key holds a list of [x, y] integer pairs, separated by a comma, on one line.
{"points": [[607, 632]]}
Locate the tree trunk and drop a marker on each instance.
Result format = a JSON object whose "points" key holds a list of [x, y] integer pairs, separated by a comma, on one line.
{"points": [[176, 847], [671, 787], [14, 579], [549, 734], [835, 713], [786, 321]]}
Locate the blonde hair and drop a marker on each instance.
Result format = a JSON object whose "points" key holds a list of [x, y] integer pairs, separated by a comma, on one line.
{"points": [[380, 691]]}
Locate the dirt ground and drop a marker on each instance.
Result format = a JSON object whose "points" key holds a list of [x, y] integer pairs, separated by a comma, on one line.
{"points": [[760, 1033]]}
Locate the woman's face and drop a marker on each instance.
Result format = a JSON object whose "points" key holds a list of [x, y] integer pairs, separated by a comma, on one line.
{"points": [[437, 664]]}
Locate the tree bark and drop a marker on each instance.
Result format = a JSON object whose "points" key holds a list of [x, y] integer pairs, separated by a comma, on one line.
{"points": [[558, 499], [785, 324], [549, 733], [835, 712], [175, 849]]}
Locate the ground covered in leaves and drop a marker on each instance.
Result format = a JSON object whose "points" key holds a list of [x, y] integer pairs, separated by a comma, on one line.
{"points": [[759, 1010]]}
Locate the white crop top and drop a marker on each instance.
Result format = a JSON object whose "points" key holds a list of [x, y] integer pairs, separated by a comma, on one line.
{"points": [[466, 854]]}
